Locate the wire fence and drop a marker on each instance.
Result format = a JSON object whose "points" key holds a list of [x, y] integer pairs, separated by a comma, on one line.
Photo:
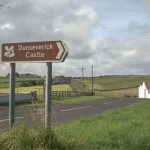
{"points": [[64, 94]]}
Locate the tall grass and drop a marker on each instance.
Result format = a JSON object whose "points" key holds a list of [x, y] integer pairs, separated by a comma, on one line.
{"points": [[121, 129], [24, 138]]}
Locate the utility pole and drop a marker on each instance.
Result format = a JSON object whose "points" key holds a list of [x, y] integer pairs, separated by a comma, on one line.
{"points": [[92, 82], [83, 79]]}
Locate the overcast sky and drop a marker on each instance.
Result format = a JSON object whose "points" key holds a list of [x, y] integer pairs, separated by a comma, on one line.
{"points": [[111, 35]]}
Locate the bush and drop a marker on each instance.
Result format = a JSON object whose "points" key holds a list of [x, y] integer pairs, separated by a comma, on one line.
{"points": [[87, 94], [28, 83]]}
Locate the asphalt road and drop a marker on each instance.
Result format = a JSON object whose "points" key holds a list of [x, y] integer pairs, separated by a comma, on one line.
{"points": [[63, 113]]}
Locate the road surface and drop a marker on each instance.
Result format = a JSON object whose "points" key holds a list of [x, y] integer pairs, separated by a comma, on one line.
{"points": [[63, 113]]}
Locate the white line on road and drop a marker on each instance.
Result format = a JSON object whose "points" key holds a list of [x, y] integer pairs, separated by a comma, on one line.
{"points": [[63, 110], [8, 119], [107, 103]]}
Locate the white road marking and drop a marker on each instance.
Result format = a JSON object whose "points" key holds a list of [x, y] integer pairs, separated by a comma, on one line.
{"points": [[63, 110], [8, 119], [107, 103]]}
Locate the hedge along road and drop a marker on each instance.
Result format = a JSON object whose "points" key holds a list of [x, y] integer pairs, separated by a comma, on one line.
{"points": [[64, 113]]}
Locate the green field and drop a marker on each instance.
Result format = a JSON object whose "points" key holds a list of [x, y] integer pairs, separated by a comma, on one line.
{"points": [[131, 92], [119, 86], [39, 89], [4, 81], [119, 129], [112, 85], [112, 82], [62, 87]]}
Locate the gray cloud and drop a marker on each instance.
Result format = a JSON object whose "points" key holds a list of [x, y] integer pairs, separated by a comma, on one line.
{"points": [[126, 55], [35, 20], [78, 23], [139, 28]]}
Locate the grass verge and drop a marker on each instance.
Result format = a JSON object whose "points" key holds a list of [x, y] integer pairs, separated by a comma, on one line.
{"points": [[119, 129], [24, 138], [75, 100], [80, 99]]}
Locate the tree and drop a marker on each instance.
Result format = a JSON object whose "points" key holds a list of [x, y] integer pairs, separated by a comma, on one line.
{"points": [[8, 75], [17, 74]]}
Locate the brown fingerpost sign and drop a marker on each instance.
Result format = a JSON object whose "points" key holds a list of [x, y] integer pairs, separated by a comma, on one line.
{"points": [[46, 51]]}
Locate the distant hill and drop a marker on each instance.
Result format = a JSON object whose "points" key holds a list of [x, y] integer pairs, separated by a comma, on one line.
{"points": [[110, 82]]}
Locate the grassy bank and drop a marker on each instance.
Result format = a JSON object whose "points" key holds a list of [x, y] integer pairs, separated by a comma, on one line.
{"points": [[23, 138], [78, 100], [112, 85], [120, 129], [131, 92], [74, 100]]}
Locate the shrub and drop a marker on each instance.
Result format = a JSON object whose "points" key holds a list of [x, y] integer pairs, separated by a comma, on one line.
{"points": [[28, 83]]}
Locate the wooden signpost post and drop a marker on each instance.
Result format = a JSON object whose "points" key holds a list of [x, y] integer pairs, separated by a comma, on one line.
{"points": [[46, 51]]}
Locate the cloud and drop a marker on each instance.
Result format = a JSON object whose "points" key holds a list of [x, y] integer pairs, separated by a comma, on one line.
{"points": [[123, 56], [147, 4], [139, 28], [77, 28], [6, 26], [78, 24], [32, 20]]}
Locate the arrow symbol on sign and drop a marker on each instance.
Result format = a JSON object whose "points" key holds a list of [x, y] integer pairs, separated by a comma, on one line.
{"points": [[61, 50]]}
